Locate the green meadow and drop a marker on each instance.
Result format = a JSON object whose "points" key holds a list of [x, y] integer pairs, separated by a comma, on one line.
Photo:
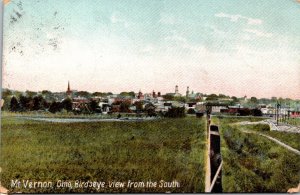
{"points": [[164, 149]]}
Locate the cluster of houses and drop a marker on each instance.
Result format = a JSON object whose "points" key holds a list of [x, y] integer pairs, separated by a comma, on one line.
{"points": [[112, 103]]}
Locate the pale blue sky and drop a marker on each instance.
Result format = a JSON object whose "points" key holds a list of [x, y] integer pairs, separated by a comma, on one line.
{"points": [[214, 46]]}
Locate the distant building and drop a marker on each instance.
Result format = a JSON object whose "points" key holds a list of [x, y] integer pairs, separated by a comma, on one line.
{"points": [[176, 94], [187, 93], [140, 95]]}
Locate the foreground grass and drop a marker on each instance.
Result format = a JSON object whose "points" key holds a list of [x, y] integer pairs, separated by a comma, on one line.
{"points": [[168, 149], [253, 163]]}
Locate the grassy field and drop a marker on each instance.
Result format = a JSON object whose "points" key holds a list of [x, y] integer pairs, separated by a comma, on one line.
{"points": [[253, 163], [166, 149]]}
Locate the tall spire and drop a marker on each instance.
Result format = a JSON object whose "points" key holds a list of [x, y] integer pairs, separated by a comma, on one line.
{"points": [[69, 89], [68, 86]]}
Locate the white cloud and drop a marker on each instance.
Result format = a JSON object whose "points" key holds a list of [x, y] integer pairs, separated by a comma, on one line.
{"points": [[235, 18], [258, 33]]}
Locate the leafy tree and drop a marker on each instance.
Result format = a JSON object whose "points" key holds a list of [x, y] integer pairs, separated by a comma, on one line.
{"points": [[131, 94], [150, 109], [26, 103], [180, 99], [55, 107], [30, 93], [168, 97], [67, 104], [274, 99], [191, 111], [223, 96], [84, 94], [139, 106], [14, 104], [254, 100], [6, 96], [38, 102], [46, 92], [94, 106], [256, 112], [175, 112], [101, 94], [212, 97], [124, 106], [244, 112]]}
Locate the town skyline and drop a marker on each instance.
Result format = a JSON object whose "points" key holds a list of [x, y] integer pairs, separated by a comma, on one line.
{"points": [[176, 89], [101, 46]]}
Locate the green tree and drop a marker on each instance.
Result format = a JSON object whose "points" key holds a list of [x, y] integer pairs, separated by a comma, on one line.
{"points": [[26, 103], [175, 112], [94, 106], [14, 104], [212, 97], [124, 106], [139, 106], [84, 94], [67, 104], [38, 102], [130, 94], [180, 99], [30, 93], [168, 97], [55, 107], [253, 100]]}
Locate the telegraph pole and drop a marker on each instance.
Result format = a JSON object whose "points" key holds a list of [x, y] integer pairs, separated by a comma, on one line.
{"points": [[278, 110]]}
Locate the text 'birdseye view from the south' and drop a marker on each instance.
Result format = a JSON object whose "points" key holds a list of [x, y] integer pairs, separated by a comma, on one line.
{"points": [[137, 96]]}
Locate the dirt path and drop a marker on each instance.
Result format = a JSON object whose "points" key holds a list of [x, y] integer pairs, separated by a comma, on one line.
{"points": [[275, 140]]}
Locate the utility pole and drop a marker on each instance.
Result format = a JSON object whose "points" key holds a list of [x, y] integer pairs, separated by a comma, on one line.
{"points": [[278, 110]]}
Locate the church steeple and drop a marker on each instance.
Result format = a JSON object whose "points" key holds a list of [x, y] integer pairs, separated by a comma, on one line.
{"points": [[69, 89], [68, 85]]}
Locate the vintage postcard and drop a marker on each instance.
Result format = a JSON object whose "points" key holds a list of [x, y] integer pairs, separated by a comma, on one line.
{"points": [[150, 96]]}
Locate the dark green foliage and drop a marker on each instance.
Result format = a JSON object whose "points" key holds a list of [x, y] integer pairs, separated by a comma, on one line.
{"points": [[26, 103], [83, 94], [130, 94], [150, 109], [101, 94], [244, 112], [66, 104], [168, 97], [191, 111], [212, 97], [175, 112], [55, 107], [94, 106], [139, 106], [14, 104], [256, 112], [38, 102]]}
